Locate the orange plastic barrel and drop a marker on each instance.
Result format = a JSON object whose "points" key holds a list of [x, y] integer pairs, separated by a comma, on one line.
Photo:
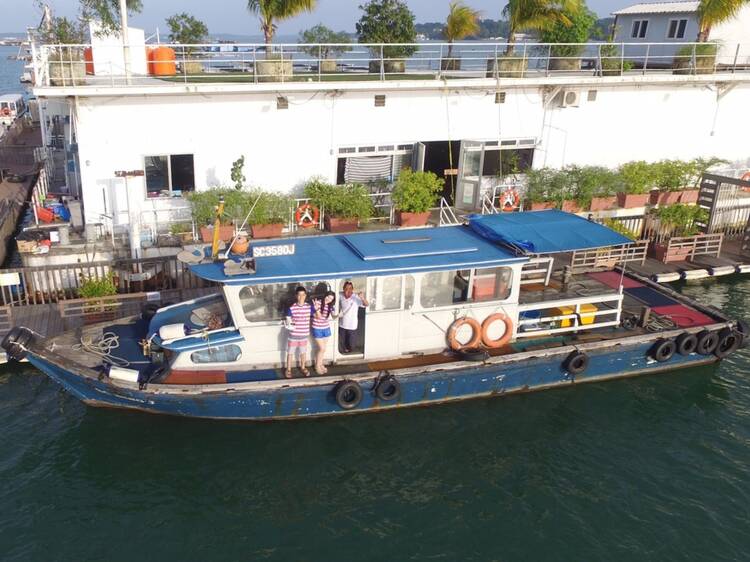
{"points": [[88, 56], [162, 61]]}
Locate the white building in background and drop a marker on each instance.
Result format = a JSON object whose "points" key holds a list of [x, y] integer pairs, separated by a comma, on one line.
{"points": [[675, 23], [184, 134]]}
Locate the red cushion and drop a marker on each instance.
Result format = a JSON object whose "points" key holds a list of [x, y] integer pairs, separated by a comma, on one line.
{"points": [[612, 279], [683, 316]]}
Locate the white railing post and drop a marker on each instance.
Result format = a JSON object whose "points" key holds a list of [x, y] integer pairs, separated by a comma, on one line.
{"points": [[382, 64], [523, 61], [320, 62], [645, 61], [693, 61], [622, 58], [281, 52], [736, 55], [255, 64]]}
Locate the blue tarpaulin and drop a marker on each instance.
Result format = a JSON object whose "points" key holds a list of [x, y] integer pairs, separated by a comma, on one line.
{"points": [[545, 232]]}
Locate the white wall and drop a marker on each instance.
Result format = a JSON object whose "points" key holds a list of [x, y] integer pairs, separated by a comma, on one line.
{"points": [[283, 148]]}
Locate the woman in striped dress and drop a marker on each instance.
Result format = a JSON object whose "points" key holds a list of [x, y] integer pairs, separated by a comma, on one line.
{"points": [[321, 327]]}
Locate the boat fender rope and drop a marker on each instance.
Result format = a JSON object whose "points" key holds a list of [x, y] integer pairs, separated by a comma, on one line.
{"points": [[103, 348]]}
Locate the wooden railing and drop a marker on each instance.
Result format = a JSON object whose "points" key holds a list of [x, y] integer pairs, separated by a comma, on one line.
{"points": [[688, 247], [585, 260], [537, 270], [41, 285]]}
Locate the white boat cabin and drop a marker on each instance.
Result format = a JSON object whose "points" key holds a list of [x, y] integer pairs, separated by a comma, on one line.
{"points": [[11, 107]]}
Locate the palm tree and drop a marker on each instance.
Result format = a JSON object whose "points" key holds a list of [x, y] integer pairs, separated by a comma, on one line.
{"points": [[524, 15], [462, 22], [271, 11], [714, 12]]}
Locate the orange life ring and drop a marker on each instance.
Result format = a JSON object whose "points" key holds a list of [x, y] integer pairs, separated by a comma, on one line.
{"points": [[510, 200], [745, 177], [476, 335], [307, 215], [502, 340], [5, 111]]}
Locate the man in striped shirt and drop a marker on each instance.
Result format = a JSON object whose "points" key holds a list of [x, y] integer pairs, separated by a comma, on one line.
{"points": [[297, 321]]}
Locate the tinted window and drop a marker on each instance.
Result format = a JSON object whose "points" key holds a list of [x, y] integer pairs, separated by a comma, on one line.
{"points": [[221, 354]]}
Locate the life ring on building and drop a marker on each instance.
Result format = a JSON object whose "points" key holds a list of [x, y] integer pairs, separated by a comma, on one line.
{"points": [[510, 200], [745, 176], [502, 340], [307, 215], [5, 111], [476, 334]]}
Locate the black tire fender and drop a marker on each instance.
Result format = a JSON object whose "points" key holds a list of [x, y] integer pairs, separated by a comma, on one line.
{"points": [[576, 362], [388, 389], [348, 394], [707, 342], [472, 354], [686, 343], [663, 350], [743, 328], [729, 341]]}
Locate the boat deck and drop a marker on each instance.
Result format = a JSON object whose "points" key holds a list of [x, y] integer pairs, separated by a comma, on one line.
{"points": [[665, 313]]}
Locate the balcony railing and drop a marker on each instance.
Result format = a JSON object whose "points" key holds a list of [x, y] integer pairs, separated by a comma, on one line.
{"points": [[233, 63]]}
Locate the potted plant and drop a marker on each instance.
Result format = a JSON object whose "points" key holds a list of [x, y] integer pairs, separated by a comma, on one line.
{"points": [[681, 220], [699, 167], [269, 215], [387, 21], [569, 34], [343, 205], [671, 177], [611, 61], [547, 188], [329, 45], [462, 22], [203, 208], [636, 178], [182, 230], [66, 63], [593, 187], [414, 195], [93, 289], [695, 59], [275, 66]]}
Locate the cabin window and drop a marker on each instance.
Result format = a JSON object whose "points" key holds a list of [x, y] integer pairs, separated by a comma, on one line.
{"points": [[385, 293], [491, 284], [168, 175], [267, 303], [408, 291], [444, 288], [220, 354], [676, 29], [639, 29]]}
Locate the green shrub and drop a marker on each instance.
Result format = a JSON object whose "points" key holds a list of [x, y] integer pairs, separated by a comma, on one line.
{"points": [[705, 58], [576, 30], [91, 287], [637, 176], [342, 201], [416, 192], [271, 207], [682, 219], [673, 175], [619, 227], [612, 61], [237, 204], [179, 228], [548, 184], [591, 181]]}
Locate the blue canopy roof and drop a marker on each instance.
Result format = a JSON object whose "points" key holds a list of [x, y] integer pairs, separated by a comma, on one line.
{"points": [[376, 253], [545, 232]]}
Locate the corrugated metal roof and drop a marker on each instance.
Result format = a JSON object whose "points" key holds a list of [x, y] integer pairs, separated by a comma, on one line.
{"points": [[658, 8]]}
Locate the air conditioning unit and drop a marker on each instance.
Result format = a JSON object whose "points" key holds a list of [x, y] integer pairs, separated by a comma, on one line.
{"points": [[569, 98]]}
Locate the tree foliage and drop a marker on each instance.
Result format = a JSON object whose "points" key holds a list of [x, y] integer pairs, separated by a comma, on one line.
{"points": [[713, 12], [388, 21], [325, 36], [107, 12], [62, 31], [581, 23], [271, 11], [186, 29], [537, 15]]}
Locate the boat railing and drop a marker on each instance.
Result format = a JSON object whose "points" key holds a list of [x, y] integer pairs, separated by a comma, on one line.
{"points": [[488, 205], [585, 260], [532, 321], [257, 63], [537, 270]]}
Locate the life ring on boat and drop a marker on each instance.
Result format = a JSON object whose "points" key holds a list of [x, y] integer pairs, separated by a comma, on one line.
{"points": [[745, 176], [502, 340], [476, 334], [388, 389], [663, 350], [307, 215], [707, 342], [576, 363], [348, 394], [510, 200], [729, 341], [686, 343]]}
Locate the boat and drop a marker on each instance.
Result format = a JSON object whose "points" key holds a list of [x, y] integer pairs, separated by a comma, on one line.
{"points": [[449, 313]]}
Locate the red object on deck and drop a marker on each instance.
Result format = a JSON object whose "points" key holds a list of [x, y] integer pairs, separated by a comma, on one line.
{"points": [[45, 215], [683, 316], [196, 377], [88, 56], [612, 279]]}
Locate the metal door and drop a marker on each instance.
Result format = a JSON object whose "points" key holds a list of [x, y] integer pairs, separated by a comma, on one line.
{"points": [[470, 163]]}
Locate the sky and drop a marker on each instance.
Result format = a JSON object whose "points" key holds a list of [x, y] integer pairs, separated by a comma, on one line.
{"points": [[231, 16]]}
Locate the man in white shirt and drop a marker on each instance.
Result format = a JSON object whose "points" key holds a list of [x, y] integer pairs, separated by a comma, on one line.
{"points": [[349, 305]]}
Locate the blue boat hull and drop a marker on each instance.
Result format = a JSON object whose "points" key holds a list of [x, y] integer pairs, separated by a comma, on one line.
{"points": [[299, 398]]}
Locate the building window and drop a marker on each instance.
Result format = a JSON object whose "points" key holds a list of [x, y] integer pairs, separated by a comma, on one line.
{"points": [[676, 29], [382, 164], [221, 354], [169, 175], [639, 29]]}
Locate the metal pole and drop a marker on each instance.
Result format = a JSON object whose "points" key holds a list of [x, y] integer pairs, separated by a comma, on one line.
{"points": [[320, 61], [382, 65], [645, 62], [125, 39], [736, 54], [599, 59], [622, 58]]}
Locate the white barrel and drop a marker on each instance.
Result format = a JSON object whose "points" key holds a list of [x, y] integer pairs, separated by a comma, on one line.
{"points": [[123, 374], [172, 332]]}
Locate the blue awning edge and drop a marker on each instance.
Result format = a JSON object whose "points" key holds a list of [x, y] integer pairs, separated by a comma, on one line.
{"points": [[545, 232]]}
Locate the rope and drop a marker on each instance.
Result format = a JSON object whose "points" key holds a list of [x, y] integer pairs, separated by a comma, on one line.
{"points": [[103, 348]]}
